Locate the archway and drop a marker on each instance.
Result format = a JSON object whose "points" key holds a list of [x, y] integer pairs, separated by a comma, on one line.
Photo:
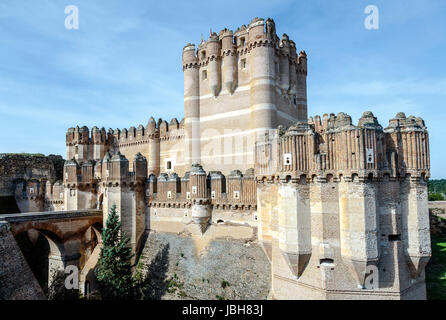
{"points": [[42, 251]]}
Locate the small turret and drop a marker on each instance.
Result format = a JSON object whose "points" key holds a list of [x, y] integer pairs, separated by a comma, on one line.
{"points": [[302, 63], [213, 52], [192, 102], [189, 56], [140, 167], [154, 147], [83, 135], [293, 72], [229, 61], [256, 29], [368, 120], [119, 168], [201, 212], [285, 63], [99, 142], [71, 172], [70, 142]]}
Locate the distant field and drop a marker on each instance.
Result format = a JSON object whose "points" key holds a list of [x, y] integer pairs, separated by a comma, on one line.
{"points": [[436, 270]]}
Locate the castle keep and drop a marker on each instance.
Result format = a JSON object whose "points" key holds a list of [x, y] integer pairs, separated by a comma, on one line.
{"points": [[339, 209], [237, 86]]}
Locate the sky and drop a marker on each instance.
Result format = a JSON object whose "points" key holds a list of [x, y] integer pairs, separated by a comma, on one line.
{"points": [[124, 64]]}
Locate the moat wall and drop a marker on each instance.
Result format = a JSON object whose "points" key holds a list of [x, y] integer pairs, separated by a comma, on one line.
{"points": [[23, 181], [180, 266], [17, 281], [437, 216]]}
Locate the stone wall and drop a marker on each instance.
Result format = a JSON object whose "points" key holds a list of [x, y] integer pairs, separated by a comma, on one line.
{"points": [[24, 178], [17, 282], [437, 215], [187, 267]]}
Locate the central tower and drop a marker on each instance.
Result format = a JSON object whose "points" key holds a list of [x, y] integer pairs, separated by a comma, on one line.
{"points": [[238, 86]]}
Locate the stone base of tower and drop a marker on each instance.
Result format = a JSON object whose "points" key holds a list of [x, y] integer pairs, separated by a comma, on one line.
{"points": [[302, 292], [326, 280]]}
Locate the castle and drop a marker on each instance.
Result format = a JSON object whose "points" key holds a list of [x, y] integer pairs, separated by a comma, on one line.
{"points": [[339, 209]]}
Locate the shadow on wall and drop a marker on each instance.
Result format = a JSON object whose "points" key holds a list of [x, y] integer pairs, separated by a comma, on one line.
{"points": [[36, 251], [8, 205], [153, 284]]}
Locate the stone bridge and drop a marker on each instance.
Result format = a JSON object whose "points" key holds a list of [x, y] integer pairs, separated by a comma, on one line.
{"points": [[72, 236]]}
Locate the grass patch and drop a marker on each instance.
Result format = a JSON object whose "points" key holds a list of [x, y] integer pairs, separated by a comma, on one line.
{"points": [[225, 284], [436, 270]]}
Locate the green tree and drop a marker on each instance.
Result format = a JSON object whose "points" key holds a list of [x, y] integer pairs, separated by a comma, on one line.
{"points": [[435, 196], [114, 270]]}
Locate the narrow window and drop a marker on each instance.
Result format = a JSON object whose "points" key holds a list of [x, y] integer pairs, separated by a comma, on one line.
{"points": [[205, 74], [243, 64], [169, 165], [326, 261], [242, 41], [394, 237], [203, 54], [287, 159]]}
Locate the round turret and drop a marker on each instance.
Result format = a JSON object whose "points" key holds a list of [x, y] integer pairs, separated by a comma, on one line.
{"points": [[213, 46], [285, 44], [201, 212], [293, 52], [400, 115], [189, 54], [256, 29], [285, 63], [229, 67], [227, 40], [302, 61], [213, 51]]}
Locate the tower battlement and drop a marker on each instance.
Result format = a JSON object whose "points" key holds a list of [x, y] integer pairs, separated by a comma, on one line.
{"points": [[247, 81], [334, 146]]}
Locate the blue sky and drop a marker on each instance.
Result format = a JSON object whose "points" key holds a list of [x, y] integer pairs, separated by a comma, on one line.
{"points": [[123, 65]]}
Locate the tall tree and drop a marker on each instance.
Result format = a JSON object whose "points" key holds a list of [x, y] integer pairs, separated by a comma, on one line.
{"points": [[114, 270]]}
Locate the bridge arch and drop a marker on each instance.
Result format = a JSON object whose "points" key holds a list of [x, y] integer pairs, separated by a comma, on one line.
{"points": [[44, 252], [64, 238]]}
